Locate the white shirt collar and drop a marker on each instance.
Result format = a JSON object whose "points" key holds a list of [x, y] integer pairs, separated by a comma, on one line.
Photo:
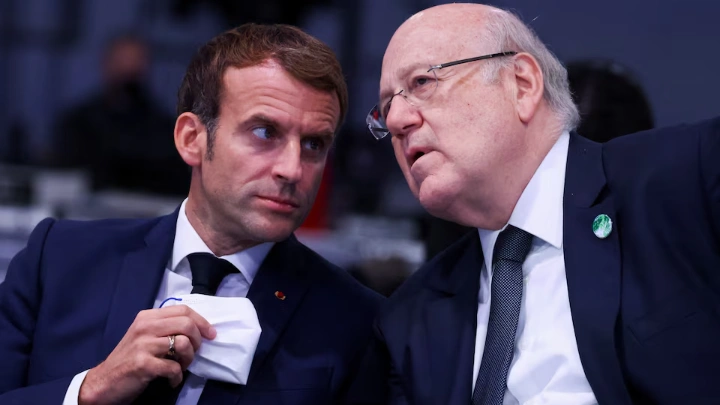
{"points": [[539, 211], [188, 241]]}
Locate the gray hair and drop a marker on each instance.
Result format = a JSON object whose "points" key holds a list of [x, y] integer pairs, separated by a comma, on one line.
{"points": [[506, 32]]}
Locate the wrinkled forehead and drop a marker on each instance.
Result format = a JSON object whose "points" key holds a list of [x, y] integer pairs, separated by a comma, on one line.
{"points": [[415, 47]]}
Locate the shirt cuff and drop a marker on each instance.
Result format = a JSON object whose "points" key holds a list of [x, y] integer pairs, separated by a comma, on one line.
{"points": [[73, 392]]}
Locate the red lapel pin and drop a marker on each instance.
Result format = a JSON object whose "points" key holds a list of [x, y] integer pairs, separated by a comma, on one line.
{"points": [[280, 295]]}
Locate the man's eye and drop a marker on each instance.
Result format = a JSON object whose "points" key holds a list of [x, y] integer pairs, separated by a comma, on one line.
{"points": [[421, 84], [421, 81], [314, 144], [262, 132]]}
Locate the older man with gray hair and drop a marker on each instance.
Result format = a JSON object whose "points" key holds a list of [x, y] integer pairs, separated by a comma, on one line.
{"points": [[593, 274]]}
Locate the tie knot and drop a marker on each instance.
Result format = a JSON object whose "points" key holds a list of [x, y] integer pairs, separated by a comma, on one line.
{"points": [[512, 244], [208, 272]]}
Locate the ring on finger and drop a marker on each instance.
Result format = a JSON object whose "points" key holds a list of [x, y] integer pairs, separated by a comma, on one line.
{"points": [[171, 347]]}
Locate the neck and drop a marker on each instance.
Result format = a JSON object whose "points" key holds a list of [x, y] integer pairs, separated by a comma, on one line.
{"points": [[209, 226]]}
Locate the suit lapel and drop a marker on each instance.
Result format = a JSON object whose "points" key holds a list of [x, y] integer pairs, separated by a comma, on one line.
{"points": [[140, 276], [450, 324], [283, 272], [593, 270]]}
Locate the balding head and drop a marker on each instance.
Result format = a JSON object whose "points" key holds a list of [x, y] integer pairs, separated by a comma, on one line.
{"points": [[450, 15], [460, 16], [475, 29], [435, 34]]}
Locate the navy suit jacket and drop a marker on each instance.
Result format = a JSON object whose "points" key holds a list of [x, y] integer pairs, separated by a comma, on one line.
{"points": [[71, 294], [645, 301]]}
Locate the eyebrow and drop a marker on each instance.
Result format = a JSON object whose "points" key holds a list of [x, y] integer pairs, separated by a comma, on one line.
{"points": [[328, 135], [402, 73], [261, 118]]}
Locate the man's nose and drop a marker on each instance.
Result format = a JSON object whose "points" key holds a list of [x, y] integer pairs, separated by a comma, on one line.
{"points": [[402, 117]]}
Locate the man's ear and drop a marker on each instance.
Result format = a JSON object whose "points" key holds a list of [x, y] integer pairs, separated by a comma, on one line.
{"points": [[190, 138], [529, 86]]}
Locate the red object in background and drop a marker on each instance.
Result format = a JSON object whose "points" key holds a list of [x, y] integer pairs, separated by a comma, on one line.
{"points": [[318, 216]]}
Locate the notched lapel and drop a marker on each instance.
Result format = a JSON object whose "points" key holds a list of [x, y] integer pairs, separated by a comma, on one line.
{"points": [[282, 274], [450, 324], [593, 270], [138, 282]]}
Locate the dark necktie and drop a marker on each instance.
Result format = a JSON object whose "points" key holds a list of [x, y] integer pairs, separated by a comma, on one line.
{"points": [[208, 272], [509, 254]]}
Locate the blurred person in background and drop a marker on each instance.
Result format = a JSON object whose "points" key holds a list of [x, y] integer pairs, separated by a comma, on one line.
{"points": [[360, 174], [610, 100], [592, 274], [81, 316], [119, 134]]}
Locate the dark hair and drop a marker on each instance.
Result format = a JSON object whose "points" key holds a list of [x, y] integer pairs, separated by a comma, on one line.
{"points": [[304, 57], [610, 100]]}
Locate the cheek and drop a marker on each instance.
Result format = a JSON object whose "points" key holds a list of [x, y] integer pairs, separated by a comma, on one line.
{"points": [[402, 162], [312, 177], [476, 135], [219, 180], [317, 172], [232, 173]]}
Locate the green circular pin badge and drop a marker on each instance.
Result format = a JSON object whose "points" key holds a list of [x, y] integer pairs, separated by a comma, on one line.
{"points": [[602, 226]]}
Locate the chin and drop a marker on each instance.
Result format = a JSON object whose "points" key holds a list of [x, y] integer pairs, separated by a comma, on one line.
{"points": [[436, 198], [271, 235], [272, 229], [278, 232]]}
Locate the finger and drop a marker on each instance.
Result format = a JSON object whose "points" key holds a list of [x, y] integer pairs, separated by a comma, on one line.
{"points": [[179, 325], [169, 369], [184, 350], [146, 320], [206, 329], [159, 347], [164, 312]]}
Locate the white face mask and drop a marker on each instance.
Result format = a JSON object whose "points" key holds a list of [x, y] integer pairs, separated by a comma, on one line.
{"points": [[229, 356]]}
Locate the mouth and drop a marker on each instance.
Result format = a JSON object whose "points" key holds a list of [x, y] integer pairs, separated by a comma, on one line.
{"points": [[415, 154], [279, 202]]}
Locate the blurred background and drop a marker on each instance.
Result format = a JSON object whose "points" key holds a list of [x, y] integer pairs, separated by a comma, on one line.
{"points": [[87, 97]]}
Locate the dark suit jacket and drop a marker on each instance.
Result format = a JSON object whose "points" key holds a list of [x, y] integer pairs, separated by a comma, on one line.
{"points": [[71, 294], [645, 301]]}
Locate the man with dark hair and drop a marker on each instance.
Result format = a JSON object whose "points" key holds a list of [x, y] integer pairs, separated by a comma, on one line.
{"points": [[81, 310]]}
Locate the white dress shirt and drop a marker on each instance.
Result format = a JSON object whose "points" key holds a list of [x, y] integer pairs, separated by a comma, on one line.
{"points": [[546, 366], [178, 280]]}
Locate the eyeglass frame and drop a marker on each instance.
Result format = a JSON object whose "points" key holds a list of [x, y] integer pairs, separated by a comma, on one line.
{"points": [[375, 116]]}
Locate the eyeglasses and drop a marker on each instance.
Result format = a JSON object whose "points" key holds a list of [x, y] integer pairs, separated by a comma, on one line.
{"points": [[419, 89]]}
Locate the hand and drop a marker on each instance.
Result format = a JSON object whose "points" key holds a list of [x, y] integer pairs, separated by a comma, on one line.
{"points": [[140, 356]]}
